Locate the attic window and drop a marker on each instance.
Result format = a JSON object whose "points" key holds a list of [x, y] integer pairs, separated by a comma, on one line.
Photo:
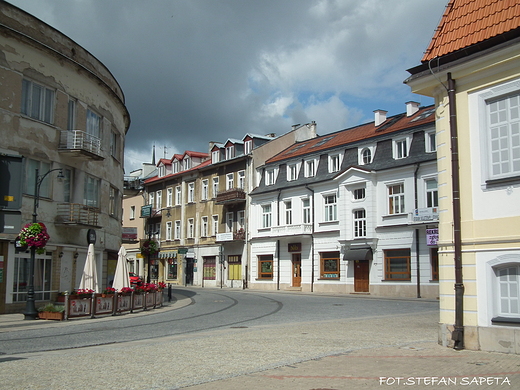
{"points": [[248, 146], [424, 115], [321, 142], [230, 152], [215, 156], [366, 156], [295, 149]]}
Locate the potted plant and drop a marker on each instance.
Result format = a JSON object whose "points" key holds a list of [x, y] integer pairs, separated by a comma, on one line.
{"points": [[34, 235], [149, 247], [127, 290], [51, 312], [108, 291], [161, 286], [83, 292]]}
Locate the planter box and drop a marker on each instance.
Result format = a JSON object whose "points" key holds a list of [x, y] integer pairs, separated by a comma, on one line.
{"points": [[47, 315]]}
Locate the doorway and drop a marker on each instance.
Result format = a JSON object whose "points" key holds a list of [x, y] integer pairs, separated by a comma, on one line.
{"points": [[361, 272], [296, 270]]}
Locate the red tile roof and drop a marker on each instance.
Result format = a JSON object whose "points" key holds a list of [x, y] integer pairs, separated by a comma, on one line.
{"points": [[171, 175], [363, 132], [467, 22]]}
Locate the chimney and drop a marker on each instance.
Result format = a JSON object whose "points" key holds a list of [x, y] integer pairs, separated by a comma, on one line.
{"points": [[411, 108], [271, 135], [294, 127], [380, 116]]}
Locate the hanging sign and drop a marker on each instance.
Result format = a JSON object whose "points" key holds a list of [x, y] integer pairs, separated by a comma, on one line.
{"points": [[432, 236]]}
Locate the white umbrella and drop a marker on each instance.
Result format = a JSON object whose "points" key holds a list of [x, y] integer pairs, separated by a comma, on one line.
{"points": [[121, 278], [89, 277]]}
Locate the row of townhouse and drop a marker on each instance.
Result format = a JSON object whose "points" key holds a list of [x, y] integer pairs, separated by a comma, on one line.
{"points": [[352, 211]]}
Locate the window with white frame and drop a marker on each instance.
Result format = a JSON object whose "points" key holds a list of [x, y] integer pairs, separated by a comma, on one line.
{"points": [[158, 200], [241, 179], [288, 212], [93, 123], [169, 197], [331, 207], [334, 162], [396, 198], [215, 187], [132, 212], [113, 201], [204, 227], [229, 222], [42, 276], [176, 166], [432, 196], [292, 172], [114, 145], [177, 232], [241, 219], [168, 231], [215, 224], [151, 198], [37, 101], [366, 156], [358, 193], [401, 148], [215, 156], [191, 192], [266, 216], [508, 291], [360, 223], [269, 177], [205, 189], [230, 152], [230, 181], [178, 195], [430, 141], [306, 208], [310, 168], [186, 163], [191, 228], [248, 146]]}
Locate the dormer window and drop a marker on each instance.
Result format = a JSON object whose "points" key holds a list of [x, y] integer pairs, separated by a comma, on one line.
{"points": [[176, 167], [269, 177], [366, 156], [430, 141], [401, 148], [310, 168], [292, 172], [334, 162], [162, 171], [230, 152], [215, 156], [248, 146], [187, 163]]}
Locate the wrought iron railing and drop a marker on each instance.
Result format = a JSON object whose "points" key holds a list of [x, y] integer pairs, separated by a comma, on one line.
{"points": [[79, 140], [77, 214]]}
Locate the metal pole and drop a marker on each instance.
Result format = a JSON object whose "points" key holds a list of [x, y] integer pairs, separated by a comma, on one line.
{"points": [[30, 312]]}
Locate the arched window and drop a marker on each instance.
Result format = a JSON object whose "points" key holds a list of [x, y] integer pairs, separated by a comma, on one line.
{"points": [[366, 156]]}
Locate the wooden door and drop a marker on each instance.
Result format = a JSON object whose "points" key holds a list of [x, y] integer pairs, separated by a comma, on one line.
{"points": [[361, 281], [296, 270]]}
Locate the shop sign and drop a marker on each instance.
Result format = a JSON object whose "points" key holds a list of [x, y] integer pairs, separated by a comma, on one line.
{"points": [[432, 236], [295, 247]]}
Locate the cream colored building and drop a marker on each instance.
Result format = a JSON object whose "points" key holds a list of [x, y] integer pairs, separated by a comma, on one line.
{"points": [[475, 80], [61, 109]]}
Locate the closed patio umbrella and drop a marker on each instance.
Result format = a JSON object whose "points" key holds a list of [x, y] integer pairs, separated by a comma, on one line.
{"points": [[89, 278], [121, 278]]}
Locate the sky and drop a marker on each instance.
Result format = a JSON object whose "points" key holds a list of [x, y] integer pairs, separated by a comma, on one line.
{"points": [[195, 71]]}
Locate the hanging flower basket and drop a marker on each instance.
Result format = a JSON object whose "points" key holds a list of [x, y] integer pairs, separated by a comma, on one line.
{"points": [[34, 235], [149, 247]]}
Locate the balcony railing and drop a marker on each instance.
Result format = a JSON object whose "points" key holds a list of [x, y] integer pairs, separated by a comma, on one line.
{"points": [[239, 235], [232, 195], [291, 230], [78, 141], [77, 214]]}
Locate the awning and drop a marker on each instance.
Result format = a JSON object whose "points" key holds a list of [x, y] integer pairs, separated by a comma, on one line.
{"points": [[358, 254], [167, 254]]}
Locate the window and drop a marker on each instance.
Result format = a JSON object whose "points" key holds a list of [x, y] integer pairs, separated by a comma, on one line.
{"points": [[93, 124], [366, 156], [306, 205], [241, 219], [158, 200], [187, 163], [230, 181], [229, 222], [169, 197], [310, 168], [508, 279], [269, 177], [430, 141], [42, 277], [358, 194], [230, 152], [178, 195], [151, 198], [504, 136], [242, 179], [132, 212], [215, 225], [292, 172], [288, 212], [215, 187], [204, 227], [168, 231], [177, 232], [30, 175], [330, 208], [248, 146], [162, 170], [205, 190], [265, 267], [37, 101], [266, 216], [113, 205], [396, 199], [397, 264], [334, 163], [360, 223], [67, 185], [176, 167], [91, 193], [329, 265], [234, 267], [400, 148], [114, 146], [210, 267], [71, 115], [172, 268], [191, 192], [215, 156], [432, 196], [191, 228]]}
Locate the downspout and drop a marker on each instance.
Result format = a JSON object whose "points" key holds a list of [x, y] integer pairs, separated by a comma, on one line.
{"points": [[278, 242], [312, 238], [417, 247], [458, 331]]}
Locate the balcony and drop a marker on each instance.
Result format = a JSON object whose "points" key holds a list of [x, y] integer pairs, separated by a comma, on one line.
{"points": [[291, 230], [79, 143], [77, 214], [239, 235], [233, 195]]}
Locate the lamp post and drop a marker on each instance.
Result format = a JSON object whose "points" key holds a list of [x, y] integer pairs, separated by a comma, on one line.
{"points": [[149, 267], [30, 312]]}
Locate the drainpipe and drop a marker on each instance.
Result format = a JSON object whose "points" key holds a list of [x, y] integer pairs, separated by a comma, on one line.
{"points": [[312, 238], [278, 242], [417, 247], [458, 331]]}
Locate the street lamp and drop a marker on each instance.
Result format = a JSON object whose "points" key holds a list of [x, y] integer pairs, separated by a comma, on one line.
{"points": [[149, 267], [30, 312]]}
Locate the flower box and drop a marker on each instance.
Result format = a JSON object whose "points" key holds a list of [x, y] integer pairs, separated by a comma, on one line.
{"points": [[48, 315]]}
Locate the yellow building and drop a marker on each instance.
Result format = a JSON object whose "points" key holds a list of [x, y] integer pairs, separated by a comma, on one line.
{"points": [[472, 69]]}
